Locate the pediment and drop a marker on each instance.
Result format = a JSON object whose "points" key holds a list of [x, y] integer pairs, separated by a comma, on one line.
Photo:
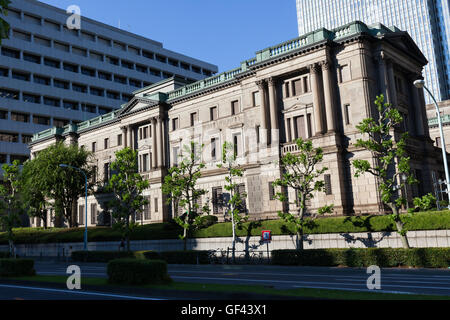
{"points": [[404, 42], [136, 104], [296, 106]]}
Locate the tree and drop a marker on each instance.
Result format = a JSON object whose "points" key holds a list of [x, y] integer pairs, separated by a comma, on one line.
{"points": [[4, 26], [180, 187], [390, 157], [10, 205], [236, 198], [127, 186], [299, 172], [34, 198], [62, 185]]}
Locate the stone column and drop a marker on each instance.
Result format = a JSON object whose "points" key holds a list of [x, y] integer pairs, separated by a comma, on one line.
{"points": [[317, 101], [287, 126], [293, 124], [130, 137], [159, 141], [263, 106], [124, 136], [329, 96], [382, 76], [391, 83], [416, 105], [274, 127], [154, 164]]}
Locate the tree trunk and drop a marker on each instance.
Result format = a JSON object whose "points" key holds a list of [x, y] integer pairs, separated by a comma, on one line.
{"points": [[233, 244], [300, 228], [399, 224], [128, 234]]}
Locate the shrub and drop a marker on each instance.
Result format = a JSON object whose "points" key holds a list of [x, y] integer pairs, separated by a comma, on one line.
{"points": [[147, 254], [4, 254], [207, 221], [17, 267], [100, 256], [425, 203], [135, 271], [382, 257]]}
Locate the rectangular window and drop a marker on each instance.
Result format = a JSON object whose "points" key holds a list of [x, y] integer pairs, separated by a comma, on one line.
{"points": [[93, 213], [113, 61], [347, 114], [81, 215], [106, 172], [141, 68], [60, 123], [145, 162], [52, 63], [234, 107], [255, 98], [135, 83], [106, 143], [41, 120], [79, 51], [94, 146], [299, 127], [9, 94], [113, 95], [156, 204], [213, 113], [26, 138], [52, 102], [194, 118], [41, 80], [96, 56], [70, 67], [147, 215], [42, 41], [22, 35], [31, 58], [97, 92], [438, 142], [297, 87], [217, 200], [175, 151], [11, 53], [127, 64], [79, 88], [175, 124], [120, 79], [9, 137], [271, 191], [327, 184], [3, 114], [61, 84], [70, 105], [87, 72], [309, 124], [119, 140], [21, 76], [20, 117], [305, 84], [213, 149], [4, 72], [31, 98], [61, 46]]}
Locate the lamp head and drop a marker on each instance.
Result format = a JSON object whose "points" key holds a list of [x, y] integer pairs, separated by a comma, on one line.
{"points": [[419, 84]]}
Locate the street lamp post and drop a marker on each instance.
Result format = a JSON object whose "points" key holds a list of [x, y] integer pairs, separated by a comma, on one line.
{"points": [[421, 84], [85, 206]]}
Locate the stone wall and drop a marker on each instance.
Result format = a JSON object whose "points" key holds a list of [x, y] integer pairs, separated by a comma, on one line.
{"points": [[417, 239]]}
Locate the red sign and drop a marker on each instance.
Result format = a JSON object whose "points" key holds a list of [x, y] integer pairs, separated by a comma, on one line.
{"points": [[266, 235]]}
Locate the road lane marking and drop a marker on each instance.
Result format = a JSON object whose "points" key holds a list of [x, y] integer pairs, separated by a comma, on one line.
{"points": [[79, 292], [294, 282]]}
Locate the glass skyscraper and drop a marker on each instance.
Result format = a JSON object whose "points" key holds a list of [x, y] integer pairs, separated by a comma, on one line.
{"points": [[427, 22]]}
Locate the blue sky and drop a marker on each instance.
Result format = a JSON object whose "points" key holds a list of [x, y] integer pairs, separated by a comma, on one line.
{"points": [[222, 32]]}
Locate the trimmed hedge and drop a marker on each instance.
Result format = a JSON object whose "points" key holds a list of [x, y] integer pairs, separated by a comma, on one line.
{"points": [[100, 256], [17, 267], [134, 271], [382, 257], [430, 220], [176, 257]]}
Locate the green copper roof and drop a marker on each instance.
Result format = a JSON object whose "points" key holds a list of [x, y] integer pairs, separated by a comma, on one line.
{"points": [[311, 38]]}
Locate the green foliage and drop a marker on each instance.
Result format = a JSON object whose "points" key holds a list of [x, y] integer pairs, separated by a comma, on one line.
{"points": [[431, 220], [425, 203], [4, 26], [17, 267], [391, 160], [10, 201], [300, 172], [382, 257], [64, 186], [99, 256], [206, 221], [137, 272], [127, 186], [180, 186]]}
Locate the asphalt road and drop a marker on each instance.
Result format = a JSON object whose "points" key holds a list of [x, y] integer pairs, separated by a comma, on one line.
{"points": [[408, 281]]}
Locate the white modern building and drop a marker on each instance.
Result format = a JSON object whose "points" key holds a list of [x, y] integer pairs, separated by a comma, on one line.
{"points": [[427, 21], [52, 76]]}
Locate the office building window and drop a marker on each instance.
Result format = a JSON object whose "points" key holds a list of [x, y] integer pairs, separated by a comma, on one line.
{"points": [[31, 58], [20, 117], [11, 53], [52, 102], [61, 84], [41, 80], [26, 138], [9, 137], [41, 120], [3, 115], [59, 123], [217, 200], [9, 94], [27, 97], [105, 75], [70, 67]]}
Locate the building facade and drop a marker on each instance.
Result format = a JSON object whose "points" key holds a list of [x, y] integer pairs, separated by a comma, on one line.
{"points": [[51, 75], [318, 86], [444, 109], [427, 21]]}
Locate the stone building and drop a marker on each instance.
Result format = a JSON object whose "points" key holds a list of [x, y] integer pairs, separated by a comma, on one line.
{"points": [[318, 86], [444, 109]]}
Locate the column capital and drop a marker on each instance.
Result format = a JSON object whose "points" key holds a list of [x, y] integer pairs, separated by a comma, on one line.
{"points": [[260, 84], [325, 65], [271, 81], [314, 68]]}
